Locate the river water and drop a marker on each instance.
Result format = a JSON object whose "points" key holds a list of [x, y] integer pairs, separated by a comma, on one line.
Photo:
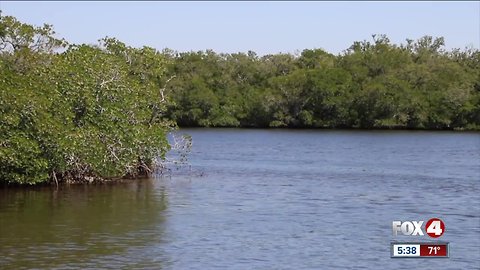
{"points": [[260, 199]]}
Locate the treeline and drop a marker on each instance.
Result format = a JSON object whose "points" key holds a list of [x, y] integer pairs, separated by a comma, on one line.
{"points": [[77, 113], [85, 113], [373, 84]]}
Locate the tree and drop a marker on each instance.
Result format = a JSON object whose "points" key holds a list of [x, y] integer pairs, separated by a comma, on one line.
{"points": [[84, 114]]}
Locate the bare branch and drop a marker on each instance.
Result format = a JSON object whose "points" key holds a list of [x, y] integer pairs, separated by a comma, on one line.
{"points": [[54, 175], [162, 90], [114, 78]]}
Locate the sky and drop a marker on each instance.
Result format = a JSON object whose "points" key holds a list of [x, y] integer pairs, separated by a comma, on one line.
{"points": [[263, 27]]}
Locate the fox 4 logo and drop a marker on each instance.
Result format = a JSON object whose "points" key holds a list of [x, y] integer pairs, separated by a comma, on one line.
{"points": [[434, 227]]}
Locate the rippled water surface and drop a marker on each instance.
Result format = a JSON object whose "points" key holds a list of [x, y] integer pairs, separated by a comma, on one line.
{"points": [[260, 199]]}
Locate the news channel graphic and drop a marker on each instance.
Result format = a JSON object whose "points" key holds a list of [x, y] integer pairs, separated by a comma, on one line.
{"points": [[433, 228]]}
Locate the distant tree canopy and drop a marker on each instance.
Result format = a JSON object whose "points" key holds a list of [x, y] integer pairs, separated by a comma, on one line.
{"points": [[373, 84], [76, 112]]}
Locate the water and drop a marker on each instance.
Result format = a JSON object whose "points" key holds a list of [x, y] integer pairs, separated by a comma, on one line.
{"points": [[260, 199]]}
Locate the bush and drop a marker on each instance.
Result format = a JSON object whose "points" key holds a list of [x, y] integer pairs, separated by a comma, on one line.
{"points": [[77, 112]]}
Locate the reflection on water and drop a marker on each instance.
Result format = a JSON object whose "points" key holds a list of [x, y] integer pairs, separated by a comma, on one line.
{"points": [[81, 226], [260, 199]]}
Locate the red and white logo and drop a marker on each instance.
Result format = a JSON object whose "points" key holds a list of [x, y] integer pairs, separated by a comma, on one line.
{"points": [[434, 227]]}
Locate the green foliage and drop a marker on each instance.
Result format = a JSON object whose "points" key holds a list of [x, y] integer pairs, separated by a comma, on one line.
{"points": [[373, 84], [78, 112]]}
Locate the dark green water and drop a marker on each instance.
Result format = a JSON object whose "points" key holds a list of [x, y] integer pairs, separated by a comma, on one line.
{"points": [[259, 199], [80, 226]]}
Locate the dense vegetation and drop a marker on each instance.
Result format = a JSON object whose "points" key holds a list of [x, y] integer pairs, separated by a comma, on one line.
{"points": [[77, 112], [374, 84], [84, 112]]}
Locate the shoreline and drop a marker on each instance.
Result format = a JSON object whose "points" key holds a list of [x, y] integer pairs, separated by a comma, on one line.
{"points": [[329, 128], [96, 180]]}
